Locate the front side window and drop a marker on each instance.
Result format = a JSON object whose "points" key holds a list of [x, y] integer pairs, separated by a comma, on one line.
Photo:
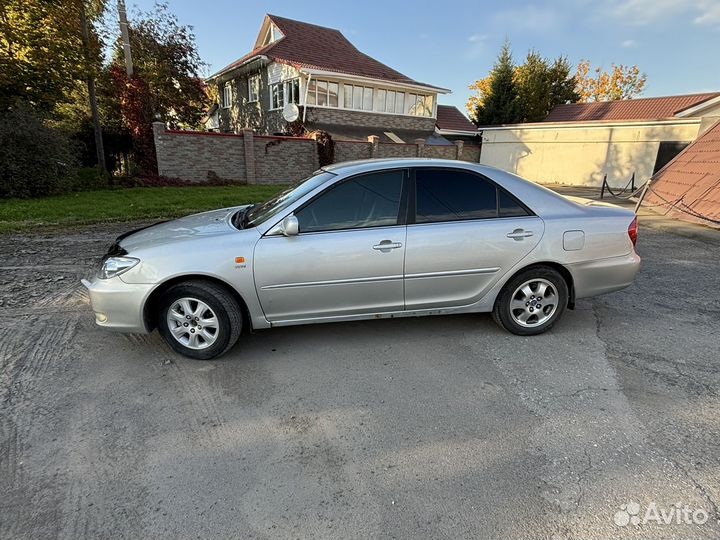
{"points": [[262, 212], [371, 200], [254, 88], [448, 195]]}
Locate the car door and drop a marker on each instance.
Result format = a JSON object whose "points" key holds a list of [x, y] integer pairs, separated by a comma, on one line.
{"points": [[463, 235], [347, 257]]}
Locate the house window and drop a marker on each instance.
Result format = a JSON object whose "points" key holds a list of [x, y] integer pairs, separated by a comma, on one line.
{"points": [[227, 95], [323, 93], [284, 92], [418, 105], [399, 101], [358, 97], [254, 88], [277, 96], [272, 35], [380, 98], [292, 91]]}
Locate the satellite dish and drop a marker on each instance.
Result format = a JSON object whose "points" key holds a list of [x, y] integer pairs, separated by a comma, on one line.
{"points": [[291, 112]]}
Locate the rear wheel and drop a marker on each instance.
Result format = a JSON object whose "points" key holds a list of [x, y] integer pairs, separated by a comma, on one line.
{"points": [[199, 319], [531, 302]]}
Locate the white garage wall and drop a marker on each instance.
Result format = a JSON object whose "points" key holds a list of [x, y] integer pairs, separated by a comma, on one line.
{"points": [[582, 153]]}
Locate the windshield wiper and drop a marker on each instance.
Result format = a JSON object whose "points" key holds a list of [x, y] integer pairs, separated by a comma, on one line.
{"points": [[246, 215]]}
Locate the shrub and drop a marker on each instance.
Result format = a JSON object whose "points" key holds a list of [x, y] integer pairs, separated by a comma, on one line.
{"points": [[90, 179], [35, 160]]}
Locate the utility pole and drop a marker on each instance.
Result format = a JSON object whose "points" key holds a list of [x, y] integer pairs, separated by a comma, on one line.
{"points": [[99, 146], [122, 13]]}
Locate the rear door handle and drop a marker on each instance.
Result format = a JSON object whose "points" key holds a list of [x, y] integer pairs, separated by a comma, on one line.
{"points": [[386, 245], [519, 234]]}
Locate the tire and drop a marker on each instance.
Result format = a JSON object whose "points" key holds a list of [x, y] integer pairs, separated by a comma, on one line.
{"points": [[516, 302], [182, 313]]}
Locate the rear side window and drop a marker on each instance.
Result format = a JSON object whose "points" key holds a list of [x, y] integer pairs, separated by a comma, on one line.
{"points": [[509, 207], [447, 195], [371, 200]]}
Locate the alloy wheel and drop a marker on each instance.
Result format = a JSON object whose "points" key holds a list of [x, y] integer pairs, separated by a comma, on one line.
{"points": [[534, 302], [192, 323]]}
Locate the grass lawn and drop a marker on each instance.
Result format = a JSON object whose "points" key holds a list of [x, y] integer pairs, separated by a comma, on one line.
{"points": [[87, 207]]}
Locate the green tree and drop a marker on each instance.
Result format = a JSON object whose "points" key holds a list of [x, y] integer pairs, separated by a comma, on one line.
{"points": [[42, 55], [541, 85], [562, 83], [501, 106]]}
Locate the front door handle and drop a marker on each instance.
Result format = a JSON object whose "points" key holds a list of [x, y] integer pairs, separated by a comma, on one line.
{"points": [[519, 234], [386, 245]]}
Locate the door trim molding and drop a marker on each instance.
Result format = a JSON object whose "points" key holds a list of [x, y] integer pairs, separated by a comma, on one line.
{"points": [[349, 281], [449, 273]]}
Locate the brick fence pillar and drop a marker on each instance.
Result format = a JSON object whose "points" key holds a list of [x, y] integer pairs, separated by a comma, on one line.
{"points": [[374, 141], [458, 149], [249, 156], [420, 143], [158, 131]]}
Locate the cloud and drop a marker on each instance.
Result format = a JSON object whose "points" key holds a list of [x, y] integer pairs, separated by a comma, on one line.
{"points": [[628, 43], [709, 14], [529, 18], [645, 12], [477, 46], [477, 37]]}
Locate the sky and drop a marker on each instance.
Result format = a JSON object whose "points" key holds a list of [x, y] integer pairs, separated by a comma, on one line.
{"points": [[451, 43]]}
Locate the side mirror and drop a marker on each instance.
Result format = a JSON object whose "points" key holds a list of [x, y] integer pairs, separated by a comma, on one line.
{"points": [[289, 226]]}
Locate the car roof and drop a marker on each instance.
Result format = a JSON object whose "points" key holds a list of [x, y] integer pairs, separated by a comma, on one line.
{"points": [[540, 199]]}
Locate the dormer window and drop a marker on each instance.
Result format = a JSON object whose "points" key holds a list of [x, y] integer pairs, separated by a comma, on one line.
{"points": [[272, 35]]}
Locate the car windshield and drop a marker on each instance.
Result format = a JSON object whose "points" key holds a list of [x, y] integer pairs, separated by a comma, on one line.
{"points": [[262, 212]]}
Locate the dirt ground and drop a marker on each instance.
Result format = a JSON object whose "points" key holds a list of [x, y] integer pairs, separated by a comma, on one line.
{"points": [[442, 427]]}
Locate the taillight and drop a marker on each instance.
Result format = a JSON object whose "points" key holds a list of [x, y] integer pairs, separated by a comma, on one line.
{"points": [[633, 231]]}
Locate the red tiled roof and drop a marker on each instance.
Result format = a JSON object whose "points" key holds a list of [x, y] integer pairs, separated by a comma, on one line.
{"points": [[450, 118], [627, 109], [306, 45], [689, 186]]}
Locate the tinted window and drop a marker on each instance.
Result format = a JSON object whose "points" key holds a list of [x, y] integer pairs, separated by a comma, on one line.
{"points": [[508, 207], [445, 195], [371, 200]]}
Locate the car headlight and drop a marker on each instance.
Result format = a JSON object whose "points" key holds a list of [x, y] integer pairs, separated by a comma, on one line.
{"points": [[114, 266]]}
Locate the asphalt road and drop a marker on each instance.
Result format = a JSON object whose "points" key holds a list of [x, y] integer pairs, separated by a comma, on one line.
{"points": [[442, 427]]}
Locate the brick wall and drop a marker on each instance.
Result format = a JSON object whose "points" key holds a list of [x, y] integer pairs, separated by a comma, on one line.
{"points": [[199, 157], [243, 158], [282, 160], [390, 150], [323, 116], [352, 150], [249, 158]]}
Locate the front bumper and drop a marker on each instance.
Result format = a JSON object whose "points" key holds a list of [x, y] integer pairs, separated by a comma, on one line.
{"points": [[118, 305], [592, 278]]}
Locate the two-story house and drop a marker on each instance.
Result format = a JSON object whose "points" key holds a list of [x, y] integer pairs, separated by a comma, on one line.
{"points": [[336, 87]]}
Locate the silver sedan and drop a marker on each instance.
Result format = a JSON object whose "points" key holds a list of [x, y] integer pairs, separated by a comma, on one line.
{"points": [[362, 240]]}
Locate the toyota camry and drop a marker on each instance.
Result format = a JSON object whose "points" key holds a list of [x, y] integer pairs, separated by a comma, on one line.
{"points": [[366, 240]]}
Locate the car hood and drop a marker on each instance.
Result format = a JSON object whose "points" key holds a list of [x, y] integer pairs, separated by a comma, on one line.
{"points": [[212, 223]]}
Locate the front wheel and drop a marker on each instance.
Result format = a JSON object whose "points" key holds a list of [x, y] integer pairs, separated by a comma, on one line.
{"points": [[531, 302], [199, 319]]}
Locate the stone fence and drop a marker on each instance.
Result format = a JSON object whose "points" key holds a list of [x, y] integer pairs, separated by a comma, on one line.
{"points": [[259, 159]]}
